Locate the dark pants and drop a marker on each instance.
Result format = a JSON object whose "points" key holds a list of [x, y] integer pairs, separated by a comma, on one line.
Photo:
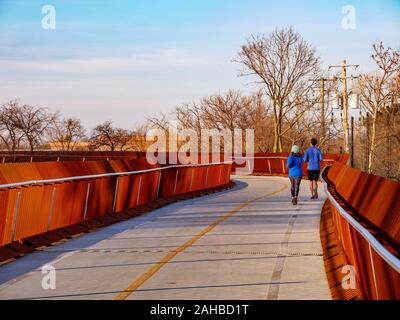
{"points": [[295, 181]]}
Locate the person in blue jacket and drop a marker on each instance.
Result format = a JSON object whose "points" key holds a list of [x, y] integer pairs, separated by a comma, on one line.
{"points": [[313, 156], [294, 163]]}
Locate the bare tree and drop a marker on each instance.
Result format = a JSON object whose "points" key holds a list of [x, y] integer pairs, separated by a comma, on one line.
{"points": [[25, 122], [10, 132], [67, 133], [394, 118], [138, 137], [228, 111], [106, 136], [313, 122], [259, 119], [189, 116], [163, 123], [376, 89], [284, 63]]}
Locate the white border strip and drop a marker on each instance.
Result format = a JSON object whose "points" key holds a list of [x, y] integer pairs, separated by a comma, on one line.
{"points": [[391, 259], [104, 175]]}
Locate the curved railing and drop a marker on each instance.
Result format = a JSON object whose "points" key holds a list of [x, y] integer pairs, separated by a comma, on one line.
{"points": [[368, 248], [270, 164], [32, 207]]}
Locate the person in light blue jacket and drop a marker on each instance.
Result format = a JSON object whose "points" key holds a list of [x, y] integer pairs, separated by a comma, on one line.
{"points": [[294, 163]]}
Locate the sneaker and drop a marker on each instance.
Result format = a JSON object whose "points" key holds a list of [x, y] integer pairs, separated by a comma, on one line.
{"points": [[295, 201]]}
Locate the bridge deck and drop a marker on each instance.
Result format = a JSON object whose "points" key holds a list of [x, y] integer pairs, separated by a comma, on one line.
{"points": [[244, 243]]}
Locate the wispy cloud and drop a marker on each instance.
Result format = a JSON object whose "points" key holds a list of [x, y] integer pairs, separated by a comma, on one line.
{"points": [[164, 58]]}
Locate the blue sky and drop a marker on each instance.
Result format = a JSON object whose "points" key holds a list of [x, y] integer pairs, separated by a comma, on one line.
{"points": [[128, 60]]}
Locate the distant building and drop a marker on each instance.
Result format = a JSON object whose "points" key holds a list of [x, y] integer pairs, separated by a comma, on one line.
{"points": [[75, 146]]}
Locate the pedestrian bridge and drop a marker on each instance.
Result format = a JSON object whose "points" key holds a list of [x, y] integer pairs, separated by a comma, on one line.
{"points": [[196, 232]]}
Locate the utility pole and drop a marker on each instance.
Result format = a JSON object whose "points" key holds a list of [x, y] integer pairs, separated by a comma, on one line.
{"points": [[344, 66], [352, 142], [345, 109]]}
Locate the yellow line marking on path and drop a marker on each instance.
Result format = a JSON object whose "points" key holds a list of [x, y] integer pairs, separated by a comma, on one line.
{"points": [[157, 266]]}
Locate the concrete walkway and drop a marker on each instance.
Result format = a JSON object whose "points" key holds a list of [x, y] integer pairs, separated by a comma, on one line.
{"points": [[246, 243]]}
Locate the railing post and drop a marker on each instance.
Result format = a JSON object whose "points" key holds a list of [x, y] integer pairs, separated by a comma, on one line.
{"points": [[269, 166], [115, 194], [158, 185], [350, 237], [139, 188], [283, 167], [86, 202], [191, 180], [51, 208], [373, 272], [205, 185], [176, 180], [16, 211]]}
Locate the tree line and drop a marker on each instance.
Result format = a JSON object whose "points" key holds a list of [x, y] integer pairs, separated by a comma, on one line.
{"points": [[26, 127]]}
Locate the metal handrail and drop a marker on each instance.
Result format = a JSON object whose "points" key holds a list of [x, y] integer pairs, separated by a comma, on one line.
{"points": [[104, 175], [389, 257]]}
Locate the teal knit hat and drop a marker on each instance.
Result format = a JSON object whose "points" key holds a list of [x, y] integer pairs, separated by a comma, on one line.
{"points": [[295, 149]]}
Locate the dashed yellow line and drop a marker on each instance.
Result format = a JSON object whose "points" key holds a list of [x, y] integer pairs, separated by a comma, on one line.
{"points": [[158, 265]]}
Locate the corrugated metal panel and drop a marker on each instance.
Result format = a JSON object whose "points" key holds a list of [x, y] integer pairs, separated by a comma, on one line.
{"points": [[377, 200]]}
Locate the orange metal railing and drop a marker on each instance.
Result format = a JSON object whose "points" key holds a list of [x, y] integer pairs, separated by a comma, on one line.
{"points": [[275, 163], [40, 197], [366, 215]]}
